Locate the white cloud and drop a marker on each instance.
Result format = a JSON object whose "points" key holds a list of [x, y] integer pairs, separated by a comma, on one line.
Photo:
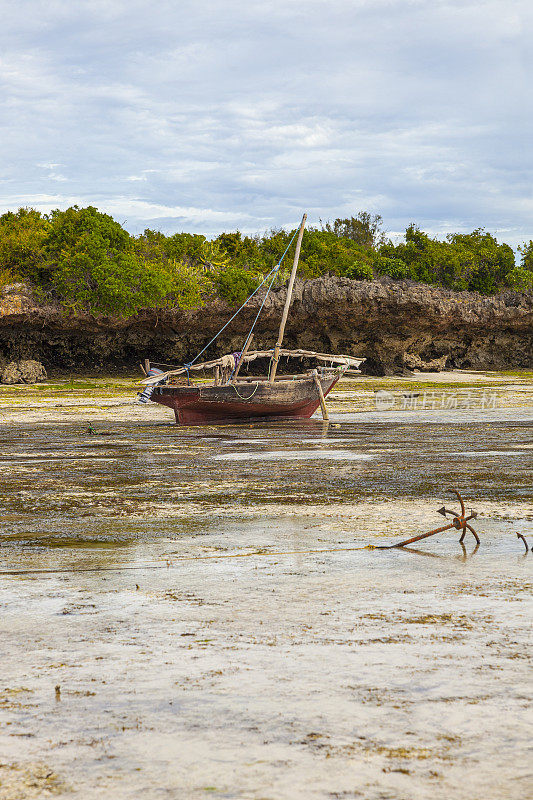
{"points": [[219, 115]]}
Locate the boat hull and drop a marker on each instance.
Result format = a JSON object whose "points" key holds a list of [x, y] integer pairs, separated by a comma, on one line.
{"points": [[198, 405]]}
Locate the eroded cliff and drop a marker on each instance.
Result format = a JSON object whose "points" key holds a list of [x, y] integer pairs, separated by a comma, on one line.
{"points": [[391, 324]]}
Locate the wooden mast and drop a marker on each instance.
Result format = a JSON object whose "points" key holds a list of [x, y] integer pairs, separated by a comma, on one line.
{"points": [[275, 357]]}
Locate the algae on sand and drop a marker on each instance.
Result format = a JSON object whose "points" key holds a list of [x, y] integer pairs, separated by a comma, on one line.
{"points": [[334, 673]]}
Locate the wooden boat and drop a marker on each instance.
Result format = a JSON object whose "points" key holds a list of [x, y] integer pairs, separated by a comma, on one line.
{"points": [[297, 396], [230, 397]]}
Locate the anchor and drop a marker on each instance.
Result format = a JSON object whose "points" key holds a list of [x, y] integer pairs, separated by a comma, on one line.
{"points": [[460, 522]]}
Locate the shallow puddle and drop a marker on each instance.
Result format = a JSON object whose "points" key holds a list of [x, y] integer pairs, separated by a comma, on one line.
{"points": [[291, 455]]}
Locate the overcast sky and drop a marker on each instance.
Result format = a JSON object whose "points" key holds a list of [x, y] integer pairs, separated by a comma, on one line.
{"points": [[208, 116]]}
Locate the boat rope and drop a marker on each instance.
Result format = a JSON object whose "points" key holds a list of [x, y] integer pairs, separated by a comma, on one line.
{"points": [[250, 396], [170, 562], [273, 272], [256, 318]]}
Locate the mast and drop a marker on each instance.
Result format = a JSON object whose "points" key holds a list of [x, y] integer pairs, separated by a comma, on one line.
{"points": [[275, 356]]}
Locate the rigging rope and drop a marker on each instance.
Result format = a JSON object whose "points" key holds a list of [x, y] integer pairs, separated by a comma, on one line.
{"points": [[272, 272], [257, 316]]}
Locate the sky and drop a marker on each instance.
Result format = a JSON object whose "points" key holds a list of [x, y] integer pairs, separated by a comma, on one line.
{"points": [[210, 116]]}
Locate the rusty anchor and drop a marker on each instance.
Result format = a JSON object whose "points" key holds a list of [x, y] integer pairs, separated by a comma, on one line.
{"points": [[460, 522]]}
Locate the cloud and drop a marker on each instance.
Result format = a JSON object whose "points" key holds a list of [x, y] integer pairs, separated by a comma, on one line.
{"points": [[216, 115]]}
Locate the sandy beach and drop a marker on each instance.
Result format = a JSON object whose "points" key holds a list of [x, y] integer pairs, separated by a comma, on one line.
{"points": [[202, 612]]}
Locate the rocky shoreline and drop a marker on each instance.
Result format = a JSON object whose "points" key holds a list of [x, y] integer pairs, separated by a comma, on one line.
{"points": [[395, 326]]}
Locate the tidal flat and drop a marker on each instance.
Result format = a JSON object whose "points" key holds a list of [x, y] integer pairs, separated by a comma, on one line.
{"points": [[202, 612]]}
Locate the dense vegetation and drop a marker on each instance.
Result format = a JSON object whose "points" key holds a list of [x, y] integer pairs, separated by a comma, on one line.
{"points": [[87, 261]]}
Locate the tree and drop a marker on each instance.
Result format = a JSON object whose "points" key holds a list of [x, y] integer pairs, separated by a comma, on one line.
{"points": [[151, 245], [521, 278], [239, 249], [324, 252], [92, 265], [85, 230], [489, 263], [463, 261], [22, 239], [365, 229], [87, 261], [526, 250]]}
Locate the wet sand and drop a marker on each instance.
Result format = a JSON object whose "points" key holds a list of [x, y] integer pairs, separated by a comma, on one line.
{"points": [[213, 624]]}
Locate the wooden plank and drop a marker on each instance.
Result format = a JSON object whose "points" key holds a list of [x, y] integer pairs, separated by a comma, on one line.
{"points": [[323, 406], [252, 356], [265, 378]]}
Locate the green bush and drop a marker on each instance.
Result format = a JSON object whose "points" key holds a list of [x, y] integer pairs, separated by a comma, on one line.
{"points": [[520, 279], [7, 277], [152, 246], [365, 229], [190, 285], [87, 261], [473, 261], [323, 252], [243, 251], [91, 265], [120, 286], [393, 267], [360, 271], [184, 247], [22, 243], [84, 230], [235, 284]]}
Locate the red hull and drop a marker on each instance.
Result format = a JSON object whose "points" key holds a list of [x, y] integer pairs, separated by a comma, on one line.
{"points": [[198, 405]]}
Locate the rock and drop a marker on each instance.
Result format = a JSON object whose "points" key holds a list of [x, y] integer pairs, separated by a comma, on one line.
{"points": [[413, 361], [380, 364], [23, 372], [16, 298]]}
